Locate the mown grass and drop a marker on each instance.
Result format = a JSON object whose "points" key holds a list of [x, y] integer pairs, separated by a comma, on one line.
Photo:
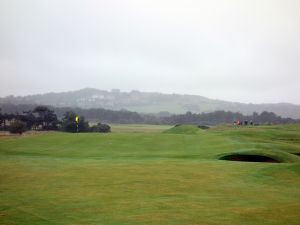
{"points": [[150, 178], [138, 128], [183, 129]]}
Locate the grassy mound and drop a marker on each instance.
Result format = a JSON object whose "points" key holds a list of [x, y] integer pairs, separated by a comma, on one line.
{"points": [[261, 156], [183, 129]]}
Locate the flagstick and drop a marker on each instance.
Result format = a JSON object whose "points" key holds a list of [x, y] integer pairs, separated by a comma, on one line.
{"points": [[76, 120]]}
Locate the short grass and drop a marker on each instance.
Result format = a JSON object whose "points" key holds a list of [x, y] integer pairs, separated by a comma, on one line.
{"points": [[132, 177], [183, 129], [138, 128]]}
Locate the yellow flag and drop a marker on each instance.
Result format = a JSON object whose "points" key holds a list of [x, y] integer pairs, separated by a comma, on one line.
{"points": [[76, 119]]}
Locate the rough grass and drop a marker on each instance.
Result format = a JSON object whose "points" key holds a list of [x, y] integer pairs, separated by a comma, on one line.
{"points": [[149, 178]]}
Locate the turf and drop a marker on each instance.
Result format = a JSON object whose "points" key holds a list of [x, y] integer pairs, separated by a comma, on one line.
{"points": [[183, 129], [151, 178], [138, 128]]}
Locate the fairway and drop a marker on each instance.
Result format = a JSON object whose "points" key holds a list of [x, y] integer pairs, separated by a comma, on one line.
{"points": [[143, 175], [138, 128]]}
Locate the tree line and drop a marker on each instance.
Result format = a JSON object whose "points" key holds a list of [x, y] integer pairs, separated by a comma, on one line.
{"points": [[55, 118], [43, 118], [218, 117]]}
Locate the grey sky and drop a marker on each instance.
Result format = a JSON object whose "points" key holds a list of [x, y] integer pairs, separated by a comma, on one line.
{"points": [[235, 50]]}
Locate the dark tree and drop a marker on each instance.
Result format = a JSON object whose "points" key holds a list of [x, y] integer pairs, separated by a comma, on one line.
{"points": [[1, 120], [68, 123], [28, 118], [5, 118], [17, 127], [83, 125], [102, 128], [45, 118]]}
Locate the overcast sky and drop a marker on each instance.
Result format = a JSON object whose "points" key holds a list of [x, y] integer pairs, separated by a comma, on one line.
{"points": [[237, 50]]}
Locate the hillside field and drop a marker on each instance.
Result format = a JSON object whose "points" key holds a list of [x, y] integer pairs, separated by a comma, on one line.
{"points": [[151, 175]]}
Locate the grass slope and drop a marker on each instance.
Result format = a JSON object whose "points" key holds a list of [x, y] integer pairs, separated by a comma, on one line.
{"points": [[183, 129], [150, 178]]}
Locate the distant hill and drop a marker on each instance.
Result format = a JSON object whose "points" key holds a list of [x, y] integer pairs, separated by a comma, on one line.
{"points": [[148, 102]]}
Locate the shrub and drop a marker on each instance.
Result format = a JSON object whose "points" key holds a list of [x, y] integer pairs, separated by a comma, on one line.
{"points": [[203, 127], [68, 123], [17, 127], [102, 128]]}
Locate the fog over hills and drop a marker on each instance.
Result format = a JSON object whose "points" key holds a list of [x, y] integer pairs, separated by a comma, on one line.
{"points": [[148, 102]]}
